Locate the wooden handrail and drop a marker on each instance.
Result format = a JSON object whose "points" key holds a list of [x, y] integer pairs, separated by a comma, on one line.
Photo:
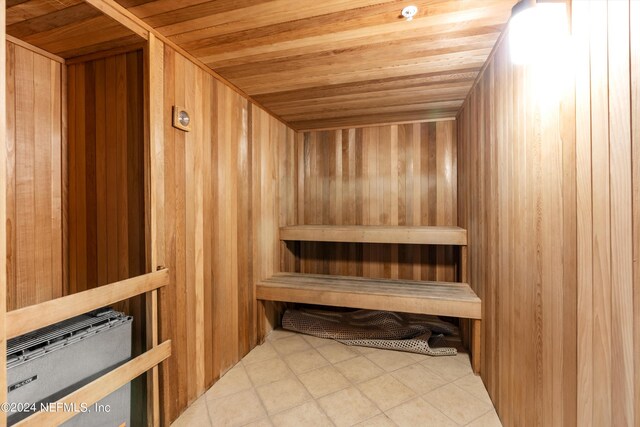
{"points": [[99, 388], [27, 319]]}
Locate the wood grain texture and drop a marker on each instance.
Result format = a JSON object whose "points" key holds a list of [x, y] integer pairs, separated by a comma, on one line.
{"points": [[3, 223], [106, 227], [337, 63], [403, 234], [219, 230], [66, 29], [408, 296], [525, 157], [608, 181], [515, 165], [38, 316], [399, 175], [34, 181]]}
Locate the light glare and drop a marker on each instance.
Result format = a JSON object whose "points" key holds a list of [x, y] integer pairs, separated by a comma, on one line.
{"points": [[539, 34]]}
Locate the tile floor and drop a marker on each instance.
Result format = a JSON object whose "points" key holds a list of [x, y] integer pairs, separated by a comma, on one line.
{"points": [[299, 380]]}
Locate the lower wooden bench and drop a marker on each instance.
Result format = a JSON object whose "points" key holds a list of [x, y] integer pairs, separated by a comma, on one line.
{"points": [[408, 296]]}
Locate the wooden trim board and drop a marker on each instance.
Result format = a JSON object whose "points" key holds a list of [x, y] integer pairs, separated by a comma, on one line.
{"points": [[100, 388], [38, 316], [419, 235], [35, 49]]}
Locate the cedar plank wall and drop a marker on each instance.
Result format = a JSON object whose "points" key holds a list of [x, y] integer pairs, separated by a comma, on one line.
{"points": [[550, 193], [106, 170], [106, 183], [220, 229], [608, 185], [34, 181], [517, 201], [380, 175]]}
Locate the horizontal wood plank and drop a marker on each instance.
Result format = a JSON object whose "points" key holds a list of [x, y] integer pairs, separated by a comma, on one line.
{"points": [[420, 235], [38, 316], [101, 387], [280, 53], [438, 298], [72, 28]]}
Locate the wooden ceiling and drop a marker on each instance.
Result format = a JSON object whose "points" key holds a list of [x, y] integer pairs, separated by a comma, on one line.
{"points": [[337, 63], [67, 28]]}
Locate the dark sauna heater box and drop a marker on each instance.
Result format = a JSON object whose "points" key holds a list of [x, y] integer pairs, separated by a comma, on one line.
{"points": [[47, 364]]}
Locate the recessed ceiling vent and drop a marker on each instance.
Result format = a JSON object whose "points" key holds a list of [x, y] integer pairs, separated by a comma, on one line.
{"points": [[409, 12]]}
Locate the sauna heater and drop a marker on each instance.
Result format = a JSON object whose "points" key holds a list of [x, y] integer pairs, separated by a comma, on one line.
{"points": [[49, 363]]}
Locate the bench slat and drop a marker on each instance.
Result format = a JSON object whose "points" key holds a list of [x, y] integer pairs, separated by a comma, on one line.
{"points": [[409, 296]]}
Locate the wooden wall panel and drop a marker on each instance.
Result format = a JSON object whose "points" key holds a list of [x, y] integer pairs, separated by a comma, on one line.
{"points": [[106, 230], [220, 217], [3, 224], [549, 189], [106, 170], [274, 204], [34, 179], [383, 175], [609, 182], [515, 146]]}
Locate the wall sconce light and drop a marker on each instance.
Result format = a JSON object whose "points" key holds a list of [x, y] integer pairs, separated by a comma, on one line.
{"points": [[181, 119], [538, 32]]}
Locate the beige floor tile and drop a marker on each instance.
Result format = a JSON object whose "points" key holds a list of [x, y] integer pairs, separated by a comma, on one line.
{"points": [[447, 367], [280, 333], [359, 369], [449, 398], [390, 360], [283, 394], [418, 378], [447, 393], [348, 407], [386, 391], [290, 345], [236, 410], [265, 422], [317, 342], [337, 352], [304, 361], [306, 415], [418, 412], [323, 381], [418, 357], [364, 350], [490, 419], [463, 358], [196, 415], [378, 421], [267, 371], [473, 384], [232, 382], [262, 352]]}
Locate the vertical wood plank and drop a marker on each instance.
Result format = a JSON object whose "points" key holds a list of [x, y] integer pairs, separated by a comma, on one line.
{"points": [[621, 219], [634, 28], [3, 206]]}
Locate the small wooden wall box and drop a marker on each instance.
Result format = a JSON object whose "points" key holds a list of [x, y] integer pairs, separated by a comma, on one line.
{"points": [[181, 118]]}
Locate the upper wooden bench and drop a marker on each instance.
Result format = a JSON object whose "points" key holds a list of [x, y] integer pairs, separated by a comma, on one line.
{"points": [[416, 235]]}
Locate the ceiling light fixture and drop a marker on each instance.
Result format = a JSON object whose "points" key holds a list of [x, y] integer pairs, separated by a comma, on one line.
{"points": [[538, 32], [409, 12]]}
